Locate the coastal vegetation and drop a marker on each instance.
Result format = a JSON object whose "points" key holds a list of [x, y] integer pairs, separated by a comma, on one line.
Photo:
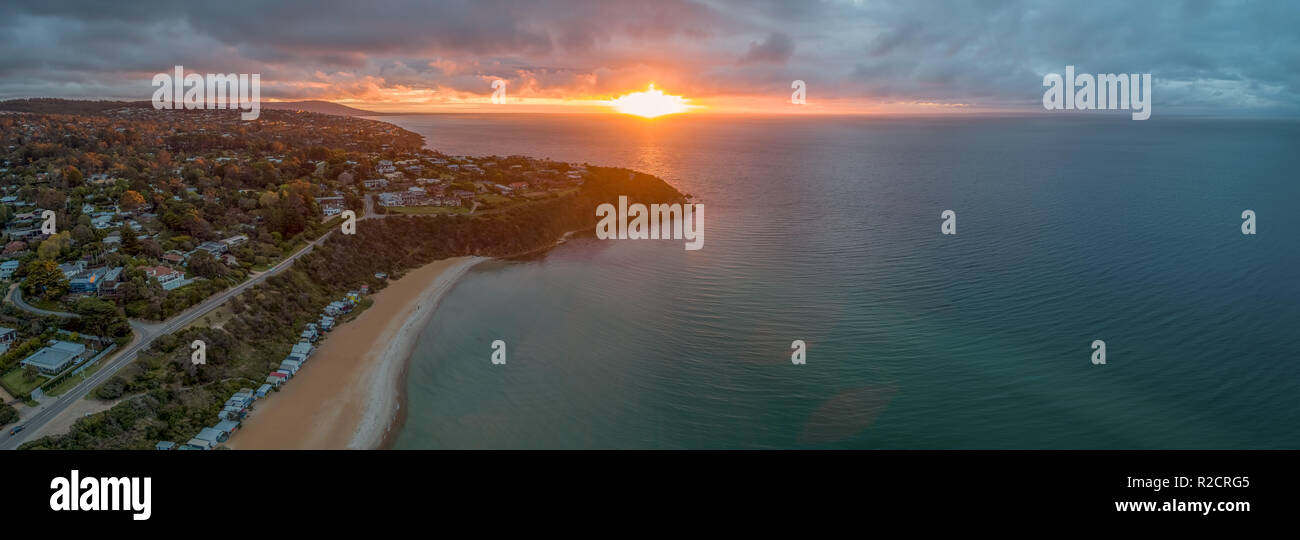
{"points": [[166, 397], [8, 414]]}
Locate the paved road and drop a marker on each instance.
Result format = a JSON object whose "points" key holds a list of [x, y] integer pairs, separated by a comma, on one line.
{"points": [[370, 207], [147, 333], [16, 296]]}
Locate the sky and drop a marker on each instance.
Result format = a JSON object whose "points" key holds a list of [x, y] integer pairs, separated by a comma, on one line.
{"points": [[855, 56]]}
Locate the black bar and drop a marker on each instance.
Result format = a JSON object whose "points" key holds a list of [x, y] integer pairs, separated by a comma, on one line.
{"points": [[412, 487]]}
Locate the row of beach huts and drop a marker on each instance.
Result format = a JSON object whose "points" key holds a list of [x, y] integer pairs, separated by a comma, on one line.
{"points": [[238, 406]]}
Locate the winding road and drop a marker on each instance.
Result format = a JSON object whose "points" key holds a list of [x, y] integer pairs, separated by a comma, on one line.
{"points": [[16, 296], [146, 333]]}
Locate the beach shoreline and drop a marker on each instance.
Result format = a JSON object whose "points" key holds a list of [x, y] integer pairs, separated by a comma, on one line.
{"points": [[387, 382], [338, 403], [350, 394]]}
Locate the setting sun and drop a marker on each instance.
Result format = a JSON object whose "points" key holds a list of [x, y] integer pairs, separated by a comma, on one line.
{"points": [[650, 103]]}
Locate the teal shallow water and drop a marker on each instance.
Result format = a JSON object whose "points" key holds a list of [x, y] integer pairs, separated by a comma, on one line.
{"points": [[827, 230]]}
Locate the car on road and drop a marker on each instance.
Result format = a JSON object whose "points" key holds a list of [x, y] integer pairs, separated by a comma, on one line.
{"points": [[14, 430]]}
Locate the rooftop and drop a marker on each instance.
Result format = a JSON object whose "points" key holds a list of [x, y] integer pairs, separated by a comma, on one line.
{"points": [[55, 356]]}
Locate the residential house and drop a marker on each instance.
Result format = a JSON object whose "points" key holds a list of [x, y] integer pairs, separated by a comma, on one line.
{"points": [[235, 241], [215, 248], [55, 357], [73, 268], [87, 282], [331, 206], [8, 268], [168, 278], [174, 257]]}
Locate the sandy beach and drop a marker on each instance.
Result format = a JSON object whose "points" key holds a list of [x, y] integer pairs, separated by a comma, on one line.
{"points": [[349, 392]]}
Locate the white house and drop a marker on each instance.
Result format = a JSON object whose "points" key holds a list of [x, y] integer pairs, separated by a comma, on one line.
{"points": [[168, 278]]}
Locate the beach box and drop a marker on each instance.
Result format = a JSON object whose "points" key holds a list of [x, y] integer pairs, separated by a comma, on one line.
{"points": [[212, 434], [230, 413], [197, 444], [227, 426]]}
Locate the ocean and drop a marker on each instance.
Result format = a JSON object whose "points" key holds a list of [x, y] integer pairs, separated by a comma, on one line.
{"points": [[1070, 229]]}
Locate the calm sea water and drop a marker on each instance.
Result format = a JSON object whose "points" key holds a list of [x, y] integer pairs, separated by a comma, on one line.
{"points": [[827, 230]]}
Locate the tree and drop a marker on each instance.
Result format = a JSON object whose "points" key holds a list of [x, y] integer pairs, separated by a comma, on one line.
{"points": [[130, 243], [73, 177], [100, 317], [44, 277], [205, 265], [112, 389], [50, 199], [131, 200], [8, 414], [83, 234], [268, 199], [52, 247], [30, 372]]}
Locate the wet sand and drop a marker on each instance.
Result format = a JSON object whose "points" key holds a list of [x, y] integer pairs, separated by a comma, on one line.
{"points": [[349, 392]]}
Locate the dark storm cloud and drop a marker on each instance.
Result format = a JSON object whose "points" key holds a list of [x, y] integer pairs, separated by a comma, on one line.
{"points": [[1204, 55], [776, 49]]}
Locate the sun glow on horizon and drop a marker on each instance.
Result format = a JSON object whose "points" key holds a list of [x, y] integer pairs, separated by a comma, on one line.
{"points": [[650, 103]]}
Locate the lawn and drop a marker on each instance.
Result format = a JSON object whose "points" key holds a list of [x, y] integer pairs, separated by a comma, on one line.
{"points": [[73, 380], [427, 210], [46, 304], [214, 318], [493, 198], [17, 384]]}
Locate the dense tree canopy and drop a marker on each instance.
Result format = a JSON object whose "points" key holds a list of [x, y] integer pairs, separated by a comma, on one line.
{"points": [[44, 278]]}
